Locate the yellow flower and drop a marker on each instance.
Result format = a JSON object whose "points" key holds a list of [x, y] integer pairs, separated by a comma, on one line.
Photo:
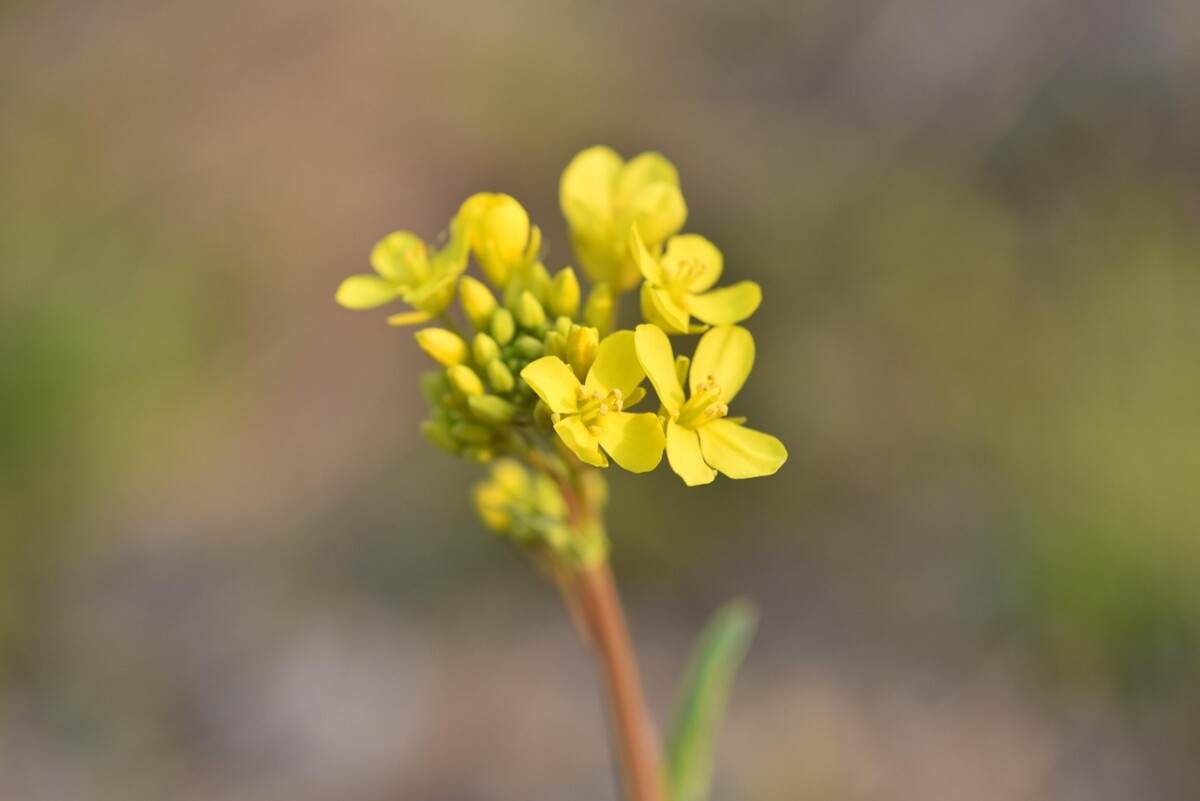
{"points": [[504, 242], [701, 439], [603, 198], [678, 286], [405, 269], [591, 415]]}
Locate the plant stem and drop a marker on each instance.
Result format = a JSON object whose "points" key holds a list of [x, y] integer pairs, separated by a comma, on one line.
{"points": [[593, 593]]}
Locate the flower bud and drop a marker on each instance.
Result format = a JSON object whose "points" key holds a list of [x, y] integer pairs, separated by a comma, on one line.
{"points": [[477, 301], [433, 386], [564, 293], [598, 312], [563, 325], [581, 349], [555, 345], [439, 434], [503, 326], [484, 349], [529, 347], [472, 433], [464, 379], [499, 376], [529, 312], [490, 409], [445, 347], [537, 280], [542, 416]]}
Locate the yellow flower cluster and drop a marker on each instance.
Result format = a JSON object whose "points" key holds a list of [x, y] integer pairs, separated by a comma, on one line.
{"points": [[537, 371]]}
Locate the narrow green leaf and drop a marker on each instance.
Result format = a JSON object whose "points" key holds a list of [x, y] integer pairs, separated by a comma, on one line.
{"points": [[700, 710]]}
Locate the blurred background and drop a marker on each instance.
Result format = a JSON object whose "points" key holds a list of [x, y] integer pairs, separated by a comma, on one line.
{"points": [[230, 568]]}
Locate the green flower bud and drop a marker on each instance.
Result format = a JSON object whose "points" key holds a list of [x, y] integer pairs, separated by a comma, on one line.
{"points": [[472, 433], [529, 312], [491, 409], [529, 347], [581, 349], [538, 281], [445, 347], [499, 376], [563, 325], [503, 326], [480, 454], [598, 312], [433, 386], [565, 294], [439, 434], [542, 416], [555, 344], [464, 379], [478, 302], [484, 349]]}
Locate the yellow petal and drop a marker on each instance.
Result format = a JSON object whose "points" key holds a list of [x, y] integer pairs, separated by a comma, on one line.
{"points": [[727, 305], [658, 211], [654, 354], [616, 365], [553, 381], [400, 257], [642, 171], [585, 192], [660, 308], [727, 354], [740, 452], [634, 441], [695, 253], [684, 456], [583, 443], [366, 292], [649, 266]]}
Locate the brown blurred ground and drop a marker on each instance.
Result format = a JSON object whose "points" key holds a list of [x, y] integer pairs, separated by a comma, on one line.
{"points": [[230, 569]]}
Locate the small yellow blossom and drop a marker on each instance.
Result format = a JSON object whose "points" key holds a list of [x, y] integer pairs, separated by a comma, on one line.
{"points": [[679, 286], [701, 438], [405, 269], [591, 415], [604, 197], [501, 237]]}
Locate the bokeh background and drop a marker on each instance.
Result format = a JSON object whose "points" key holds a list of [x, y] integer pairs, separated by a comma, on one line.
{"points": [[231, 569]]}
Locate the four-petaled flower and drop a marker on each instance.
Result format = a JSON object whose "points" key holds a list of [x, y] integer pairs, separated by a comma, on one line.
{"points": [[407, 270], [604, 198], [591, 415], [701, 439], [678, 286]]}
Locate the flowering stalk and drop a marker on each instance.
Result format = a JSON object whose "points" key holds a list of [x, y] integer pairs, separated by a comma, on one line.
{"points": [[540, 383]]}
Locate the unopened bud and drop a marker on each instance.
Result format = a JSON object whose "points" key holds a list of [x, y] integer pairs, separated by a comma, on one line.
{"points": [[529, 312], [445, 347], [499, 376], [484, 349], [472, 433], [530, 347], [565, 294], [503, 326], [542, 416], [439, 434], [464, 379], [538, 281], [555, 344], [491, 409], [598, 312], [477, 301], [581, 349]]}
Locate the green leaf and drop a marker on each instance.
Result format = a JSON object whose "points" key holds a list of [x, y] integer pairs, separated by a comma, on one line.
{"points": [[700, 710]]}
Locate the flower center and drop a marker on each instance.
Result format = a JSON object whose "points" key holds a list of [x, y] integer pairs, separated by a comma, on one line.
{"points": [[593, 406], [680, 279], [704, 405]]}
